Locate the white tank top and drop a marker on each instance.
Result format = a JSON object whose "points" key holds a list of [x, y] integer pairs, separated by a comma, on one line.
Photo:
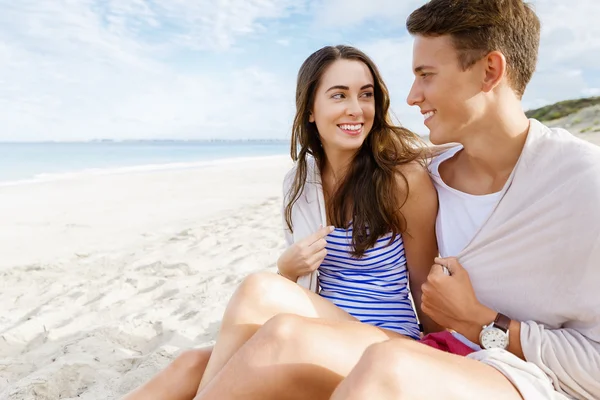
{"points": [[460, 214]]}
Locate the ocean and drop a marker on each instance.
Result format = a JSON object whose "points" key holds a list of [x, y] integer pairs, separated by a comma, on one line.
{"points": [[22, 163]]}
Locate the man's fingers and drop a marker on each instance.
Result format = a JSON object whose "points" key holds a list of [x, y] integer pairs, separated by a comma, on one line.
{"points": [[454, 265], [445, 270], [448, 265], [439, 269]]}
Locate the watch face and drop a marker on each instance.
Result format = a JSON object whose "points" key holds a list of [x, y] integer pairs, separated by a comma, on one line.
{"points": [[494, 338]]}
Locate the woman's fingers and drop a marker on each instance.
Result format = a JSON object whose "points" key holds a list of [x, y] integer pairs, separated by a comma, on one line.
{"points": [[317, 259], [317, 246]]}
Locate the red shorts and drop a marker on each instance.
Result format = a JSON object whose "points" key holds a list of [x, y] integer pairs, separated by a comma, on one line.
{"points": [[446, 341]]}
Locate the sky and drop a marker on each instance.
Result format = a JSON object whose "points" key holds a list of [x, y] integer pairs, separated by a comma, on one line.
{"points": [[226, 69]]}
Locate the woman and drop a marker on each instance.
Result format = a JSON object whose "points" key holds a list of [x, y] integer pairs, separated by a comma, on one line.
{"points": [[356, 172]]}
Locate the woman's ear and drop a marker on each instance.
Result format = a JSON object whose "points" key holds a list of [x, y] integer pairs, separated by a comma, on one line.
{"points": [[311, 117]]}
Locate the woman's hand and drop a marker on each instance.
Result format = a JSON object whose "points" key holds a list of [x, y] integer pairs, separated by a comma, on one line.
{"points": [[304, 256]]}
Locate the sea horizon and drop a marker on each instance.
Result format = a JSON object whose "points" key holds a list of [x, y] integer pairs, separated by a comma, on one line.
{"points": [[31, 162], [148, 140]]}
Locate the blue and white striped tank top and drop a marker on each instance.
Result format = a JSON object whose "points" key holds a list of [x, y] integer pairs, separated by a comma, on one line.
{"points": [[374, 288]]}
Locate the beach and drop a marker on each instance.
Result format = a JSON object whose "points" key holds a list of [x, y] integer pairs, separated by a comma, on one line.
{"points": [[106, 278]]}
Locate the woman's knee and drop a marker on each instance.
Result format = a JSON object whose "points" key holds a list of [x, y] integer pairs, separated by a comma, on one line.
{"points": [[193, 360], [283, 328], [257, 298], [383, 357], [260, 288], [393, 368], [284, 334]]}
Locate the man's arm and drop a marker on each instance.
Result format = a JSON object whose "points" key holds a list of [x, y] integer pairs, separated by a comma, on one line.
{"points": [[570, 357]]}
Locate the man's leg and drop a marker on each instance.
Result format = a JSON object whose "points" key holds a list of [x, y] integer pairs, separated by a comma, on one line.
{"points": [[293, 357], [258, 298], [401, 369], [179, 381]]}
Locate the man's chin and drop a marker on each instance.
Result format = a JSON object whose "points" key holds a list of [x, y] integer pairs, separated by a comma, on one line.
{"points": [[439, 139]]}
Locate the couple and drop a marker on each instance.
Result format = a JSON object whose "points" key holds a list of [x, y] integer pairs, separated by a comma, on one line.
{"points": [[508, 310]]}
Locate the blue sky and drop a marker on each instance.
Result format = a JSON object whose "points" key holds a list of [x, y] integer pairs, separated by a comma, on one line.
{"points": [[184, 69]]}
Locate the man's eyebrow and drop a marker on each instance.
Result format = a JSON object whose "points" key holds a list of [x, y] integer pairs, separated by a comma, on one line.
{"points": [[342, 87], [420, 68]]}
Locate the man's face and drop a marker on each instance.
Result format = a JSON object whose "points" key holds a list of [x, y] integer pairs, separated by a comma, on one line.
{"points": [[450, 99]]}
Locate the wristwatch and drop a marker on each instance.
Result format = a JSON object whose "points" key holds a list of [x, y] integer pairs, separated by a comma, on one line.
{"points": [[495, 335]]}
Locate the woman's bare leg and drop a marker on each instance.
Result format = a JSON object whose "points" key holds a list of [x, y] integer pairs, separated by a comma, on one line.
{"points": [[402, 369], [179, 381], [293, 357], [258, 298]]}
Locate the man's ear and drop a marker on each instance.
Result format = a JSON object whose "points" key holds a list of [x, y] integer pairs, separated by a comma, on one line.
{"points": [[495, 70]]}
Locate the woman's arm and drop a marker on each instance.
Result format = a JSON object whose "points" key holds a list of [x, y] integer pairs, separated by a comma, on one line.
{"points": [[420, 243]]}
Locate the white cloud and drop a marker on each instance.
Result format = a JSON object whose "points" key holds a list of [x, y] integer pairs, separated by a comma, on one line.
{"points": [[554, 84], [570, 32], [75, 70], [200, 24], [346, 13], [81, 69], [591, 91], [569, 51]]}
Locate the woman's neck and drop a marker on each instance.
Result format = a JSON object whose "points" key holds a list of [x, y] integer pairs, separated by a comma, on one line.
{"points": [[335, 168]]}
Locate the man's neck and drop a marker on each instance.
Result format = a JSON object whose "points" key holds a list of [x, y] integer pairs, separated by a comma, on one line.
{"points": [[490, 154]]}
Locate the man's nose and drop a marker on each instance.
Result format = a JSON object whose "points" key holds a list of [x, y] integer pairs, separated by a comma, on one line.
{"points": [[415, 95]]}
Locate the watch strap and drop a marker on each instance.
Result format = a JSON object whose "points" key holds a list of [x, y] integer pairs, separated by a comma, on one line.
{"points": [[502, 322]]}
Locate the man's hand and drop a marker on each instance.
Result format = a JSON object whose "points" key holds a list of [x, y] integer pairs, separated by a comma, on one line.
{"points": [[450, 300], [304, 256]]}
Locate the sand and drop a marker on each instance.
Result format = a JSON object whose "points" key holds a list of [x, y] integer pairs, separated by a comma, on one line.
{"points": [[104, 279]]}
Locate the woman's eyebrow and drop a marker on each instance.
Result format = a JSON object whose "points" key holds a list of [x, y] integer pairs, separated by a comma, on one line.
{"points": [[342, 87]]}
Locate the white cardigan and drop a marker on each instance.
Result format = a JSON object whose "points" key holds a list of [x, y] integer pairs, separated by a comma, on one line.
{"points": [[308, 214]]}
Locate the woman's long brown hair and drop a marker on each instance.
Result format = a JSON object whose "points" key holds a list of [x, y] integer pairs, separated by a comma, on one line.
{"points": [[369, 192]]}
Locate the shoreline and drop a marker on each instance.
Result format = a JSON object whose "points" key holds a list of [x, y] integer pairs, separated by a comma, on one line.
{"points": [[126, 169]]}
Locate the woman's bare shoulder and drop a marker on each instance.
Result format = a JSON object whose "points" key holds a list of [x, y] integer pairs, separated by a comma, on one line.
{"points": [[420, 186]]}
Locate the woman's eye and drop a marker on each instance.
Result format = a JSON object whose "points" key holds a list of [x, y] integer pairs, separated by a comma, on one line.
{"points": [[338, 96], [368, 94]]}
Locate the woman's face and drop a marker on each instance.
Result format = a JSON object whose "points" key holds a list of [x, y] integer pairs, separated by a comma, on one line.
{"points": [[344, 105]]}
